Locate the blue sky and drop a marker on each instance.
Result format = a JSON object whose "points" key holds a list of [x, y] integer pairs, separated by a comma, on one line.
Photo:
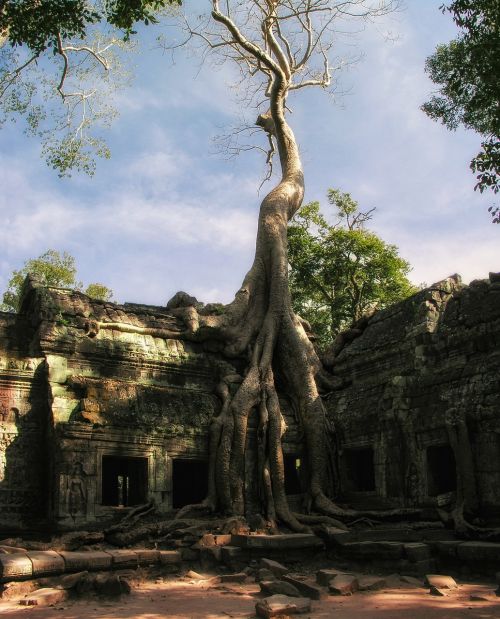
{"points": [[167, 214]]}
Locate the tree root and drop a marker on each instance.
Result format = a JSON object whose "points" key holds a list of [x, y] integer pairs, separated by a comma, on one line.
{"points": [[312, 519]]}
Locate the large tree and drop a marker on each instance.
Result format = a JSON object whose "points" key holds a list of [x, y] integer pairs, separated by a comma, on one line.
{"points": [[467, 72], [280, 47], [341, 270]]}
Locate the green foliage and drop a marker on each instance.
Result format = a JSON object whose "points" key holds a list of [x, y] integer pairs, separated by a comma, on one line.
{"points": [[340, 271], [38, 24], [51, 269], [467, 71], [99, 291], [61, 62]]}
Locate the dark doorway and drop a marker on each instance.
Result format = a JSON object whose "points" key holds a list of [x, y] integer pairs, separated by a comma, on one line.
{"points": [[441, 470], [292, 464], [124, 480], [189, 482], [359, 470]]}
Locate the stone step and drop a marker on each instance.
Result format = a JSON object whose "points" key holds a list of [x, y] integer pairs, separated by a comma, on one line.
{"points": [[285, 542]]}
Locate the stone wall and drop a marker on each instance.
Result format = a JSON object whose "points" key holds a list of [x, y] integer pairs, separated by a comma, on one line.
{"points": [[424, 372], [23, 421], [101, 407]]}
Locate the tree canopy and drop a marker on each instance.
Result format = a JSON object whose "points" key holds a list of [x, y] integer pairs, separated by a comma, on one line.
{"points": [[340, 271], [60, 63], [467, 72], [51, 269]]}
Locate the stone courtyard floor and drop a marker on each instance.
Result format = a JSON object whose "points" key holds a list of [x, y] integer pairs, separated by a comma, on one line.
{"points": [[178, 598]]}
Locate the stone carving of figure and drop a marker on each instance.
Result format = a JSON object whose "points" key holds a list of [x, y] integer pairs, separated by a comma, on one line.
{"points": [[77, 491]]}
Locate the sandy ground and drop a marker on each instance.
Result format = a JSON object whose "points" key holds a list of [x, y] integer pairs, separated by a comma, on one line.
{"points": [[180, 599]]}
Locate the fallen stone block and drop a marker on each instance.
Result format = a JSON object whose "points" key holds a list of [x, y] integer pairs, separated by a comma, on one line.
{"points": [[239, 577], [264, 574], [46, 562], [208, 539], [437, 591], [17, 589], [309, 590], [371, 583], [411, 580], [276, 568], [15, 567], [440, 581], [222, 540], [210, 556], [170, 557], [44, 597], [123, 558], [70, 581], [111, 585], [417, 552], [323, 577], [343, 584], [92, 560], [282, 605], [147, 556], [279, 587]]}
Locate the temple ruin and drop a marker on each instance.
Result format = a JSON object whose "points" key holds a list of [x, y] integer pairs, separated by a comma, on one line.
{"points": [[94, 421]]}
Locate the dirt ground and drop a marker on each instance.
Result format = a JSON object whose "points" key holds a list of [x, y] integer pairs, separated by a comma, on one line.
{"points": [[178, 598]]}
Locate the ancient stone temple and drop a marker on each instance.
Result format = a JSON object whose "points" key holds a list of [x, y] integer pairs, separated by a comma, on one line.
{"points": [[103, 408]]}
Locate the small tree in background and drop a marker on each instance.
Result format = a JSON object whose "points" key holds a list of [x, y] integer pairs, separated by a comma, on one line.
{"points": [[340, 271], [52, 269]]}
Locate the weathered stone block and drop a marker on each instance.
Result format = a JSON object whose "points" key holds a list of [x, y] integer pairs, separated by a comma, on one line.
{"points": [[417, 551], [16, 589], [210, 556], [231, 555], [15, 567], [380, 550], [264, 574], [45, 597], [278, 587], [276, 568], [170, 557], [277, 542], [147, 556], [282, 605], [479, 551], [309, 590], [46, 562], [440, 581], [371, 583], [343, 584], [448, 548], [323, 577], [239, 577], [92, 560]]}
